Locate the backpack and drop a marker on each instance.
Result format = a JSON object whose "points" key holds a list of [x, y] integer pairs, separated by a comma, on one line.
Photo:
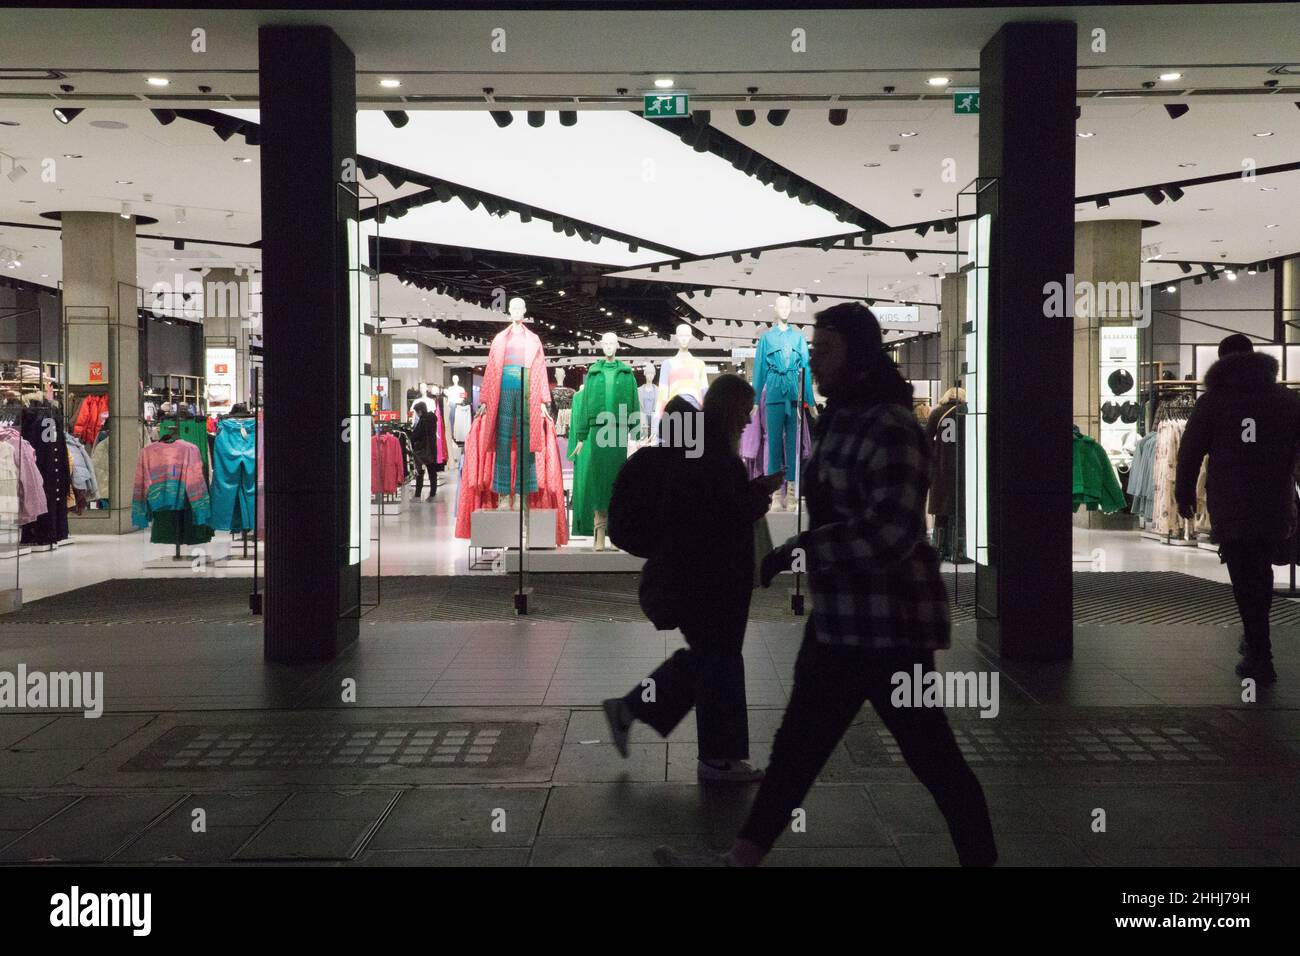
{"points": [[633, 522]]}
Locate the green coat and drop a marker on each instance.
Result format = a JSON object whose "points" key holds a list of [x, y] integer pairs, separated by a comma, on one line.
{"points": [[1095, 484], [178, 527], [611, 415], [584, 521]]}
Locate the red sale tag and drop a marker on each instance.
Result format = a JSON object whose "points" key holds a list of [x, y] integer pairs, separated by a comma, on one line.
{"points": [[96, 371], [222, 368]]}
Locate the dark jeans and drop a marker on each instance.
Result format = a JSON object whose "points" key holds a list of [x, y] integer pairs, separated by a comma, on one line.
{"points": [[420, 469], [831, 683], [709, 675], [1250, 569]]}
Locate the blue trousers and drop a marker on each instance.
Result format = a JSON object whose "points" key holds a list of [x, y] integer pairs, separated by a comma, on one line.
{"points": [[782, 434], [508, 412], [234, 476]]}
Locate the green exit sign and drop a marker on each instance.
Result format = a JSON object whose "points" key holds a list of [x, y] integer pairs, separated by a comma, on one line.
{"points": [[662, 105], [966, 101]]}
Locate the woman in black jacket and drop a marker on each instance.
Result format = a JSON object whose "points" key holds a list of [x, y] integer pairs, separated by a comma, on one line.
{"points": [[701, 579], [424, 445]]}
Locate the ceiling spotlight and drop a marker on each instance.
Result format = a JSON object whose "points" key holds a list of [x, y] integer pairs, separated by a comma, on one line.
{"points": [[1170, 77], [1251, 271], [66, 115], [226, 128], [1214, 275], [911, 256], [158, 81], [1197, 280], [1176, 110], [747, 117], [1103, 202], [397, 117], [1232, 275], [777, 117], [1174, 193], [1170, 288], [1155, 195], [390, 84], [178, 244], [536, 118], [1185, 267], [568, 117], [938, 81], [17, 173], [839, 117], [164, 117], [923, 229], [503, 118]]}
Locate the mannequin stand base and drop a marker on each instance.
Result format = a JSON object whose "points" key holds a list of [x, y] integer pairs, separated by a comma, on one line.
{"points": [[797, 603], [521, 600]]}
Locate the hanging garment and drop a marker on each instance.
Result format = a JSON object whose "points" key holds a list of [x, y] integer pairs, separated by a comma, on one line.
{"points": [[1164, 510], [192, 430], [647, 393], [611, 413], [31, 486], [386, 474], [475, 490], [583, 514], [90, 417], [42, 422], [683, 374], [100, 460], [1095, 484], [169, 475], [945, 428], [510, 428], [234, 464], [8, 486], [781, 364], [754, 449], [83, 469], [460, 423], [1142, 476], [782, 431]]}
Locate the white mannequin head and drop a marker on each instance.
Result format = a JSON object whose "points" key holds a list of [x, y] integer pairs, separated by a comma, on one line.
{"points": [[559, 375], [609, 344], [518, 308], [782, 308], [684, 336], [649, 369], [455, 380]]}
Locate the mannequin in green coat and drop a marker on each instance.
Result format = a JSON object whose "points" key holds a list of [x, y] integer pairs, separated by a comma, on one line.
{"points": [[611, 413], [579, 506]]}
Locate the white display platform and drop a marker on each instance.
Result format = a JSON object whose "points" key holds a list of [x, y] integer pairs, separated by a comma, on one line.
{"points": [[392, 504], [781, 525], [493, 528], [577, 560]]}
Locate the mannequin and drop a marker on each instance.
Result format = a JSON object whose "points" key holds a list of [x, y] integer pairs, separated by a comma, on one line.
{"points": [[610, 413], [455, 413], [511, 382], [780, 367], [561, 403], [647, 394], [683, 374]]}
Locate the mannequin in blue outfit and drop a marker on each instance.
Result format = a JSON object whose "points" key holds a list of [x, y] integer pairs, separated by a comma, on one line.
{"points": [[780, 364]]}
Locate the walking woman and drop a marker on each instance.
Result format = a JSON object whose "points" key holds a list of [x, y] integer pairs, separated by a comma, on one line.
{"points": [[701, 578], [424, 445]]}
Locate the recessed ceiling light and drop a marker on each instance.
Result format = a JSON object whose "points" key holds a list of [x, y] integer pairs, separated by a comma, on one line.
{"points": [[123, 182], [389, 83], [1085, 135], [1206, 209], [1170, 77], [1232, 276], [1186, 165], [1272, 225], [45, 275], [242, 159], [890, 241], [72, 156], [158, 81], [1216, 240], [664, 82], [938, 81], [1268, 189], [537, 282], [871, 165], [907, 135], [1263, 134], [1170, 288]]}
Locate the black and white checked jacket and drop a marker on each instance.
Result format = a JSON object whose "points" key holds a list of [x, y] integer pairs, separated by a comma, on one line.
{"points": [[873, 575]]}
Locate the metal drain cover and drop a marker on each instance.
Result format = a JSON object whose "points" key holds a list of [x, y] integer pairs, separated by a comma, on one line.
{"points": [[241, 747]]}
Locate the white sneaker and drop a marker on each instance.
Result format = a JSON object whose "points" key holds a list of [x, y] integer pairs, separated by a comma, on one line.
{"points": [[728, 771]]}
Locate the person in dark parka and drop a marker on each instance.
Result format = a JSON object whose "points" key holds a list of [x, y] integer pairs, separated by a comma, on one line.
{"points": [[424, 446], [944, 431], [1249, 425]]}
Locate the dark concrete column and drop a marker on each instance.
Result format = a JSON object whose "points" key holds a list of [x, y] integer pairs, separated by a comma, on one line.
{"points": [[307, 89], [1027, 142]]}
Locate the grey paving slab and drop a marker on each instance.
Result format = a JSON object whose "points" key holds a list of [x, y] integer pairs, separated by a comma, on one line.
{"points": [[587, 763], [177, 843], [643, 809], [441, 818], [608, 851], [306, 840], [89, 831], [1015, 849], [366, 805], [16, 727], [783, 856], [1101, 854], [25, 812], [477, 857], [42, 768], [908, 808], [66, 733]]}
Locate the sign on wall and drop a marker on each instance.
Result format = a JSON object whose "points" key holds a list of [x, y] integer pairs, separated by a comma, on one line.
{"points": [[220, 378]]}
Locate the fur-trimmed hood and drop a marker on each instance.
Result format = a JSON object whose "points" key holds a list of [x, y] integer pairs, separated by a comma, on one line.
{"points": [[1242, 372]]}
